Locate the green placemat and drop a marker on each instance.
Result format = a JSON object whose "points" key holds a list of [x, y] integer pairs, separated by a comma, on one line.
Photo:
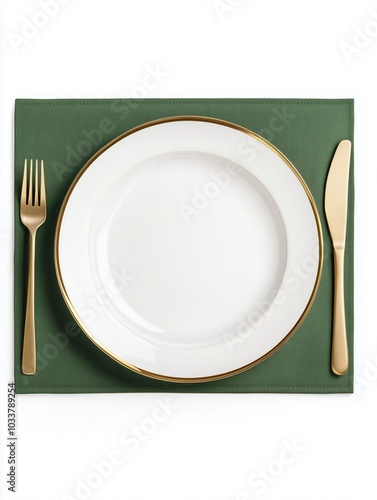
{"points": [[66, 133]]}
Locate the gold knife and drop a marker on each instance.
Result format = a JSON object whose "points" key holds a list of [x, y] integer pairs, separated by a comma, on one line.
{"points": [[336, 201]]}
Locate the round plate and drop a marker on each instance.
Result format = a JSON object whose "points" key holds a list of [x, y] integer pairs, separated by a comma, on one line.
{"points": [[188, 249]]}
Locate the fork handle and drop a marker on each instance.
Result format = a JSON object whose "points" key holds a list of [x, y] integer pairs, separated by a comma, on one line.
{"points": [[29, 351], [339, 360]]}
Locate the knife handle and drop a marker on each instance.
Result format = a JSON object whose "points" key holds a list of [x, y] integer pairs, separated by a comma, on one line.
{"points": [[339, 356]]}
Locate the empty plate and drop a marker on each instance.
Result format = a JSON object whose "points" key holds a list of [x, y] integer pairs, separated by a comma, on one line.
{"points": [[188, 249]]}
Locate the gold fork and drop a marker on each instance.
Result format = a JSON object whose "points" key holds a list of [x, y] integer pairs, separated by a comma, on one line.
{"points": [[33, 215]]}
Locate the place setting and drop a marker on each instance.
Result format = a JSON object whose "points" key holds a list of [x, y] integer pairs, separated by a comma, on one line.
{"points": [[186, 245]]}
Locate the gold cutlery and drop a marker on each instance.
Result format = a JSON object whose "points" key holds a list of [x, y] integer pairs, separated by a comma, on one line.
{"points": [[336, 201], [33, 215]]}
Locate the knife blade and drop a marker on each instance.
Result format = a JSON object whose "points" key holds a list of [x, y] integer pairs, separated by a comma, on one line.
{"points": [[336, 202]]}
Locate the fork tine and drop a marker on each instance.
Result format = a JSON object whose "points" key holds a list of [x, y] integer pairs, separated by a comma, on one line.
{"points": [[36, 187], [43, 187], [30, 195], [24, 184]]}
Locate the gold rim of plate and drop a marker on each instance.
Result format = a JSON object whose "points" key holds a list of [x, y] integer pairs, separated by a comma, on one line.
{"points": [[134, 368]]}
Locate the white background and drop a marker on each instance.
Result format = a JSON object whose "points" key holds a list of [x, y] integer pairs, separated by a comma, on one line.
{"points": [[209, 447]]}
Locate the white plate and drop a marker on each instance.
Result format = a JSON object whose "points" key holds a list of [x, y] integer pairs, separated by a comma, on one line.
{"points": [[188, 249]]}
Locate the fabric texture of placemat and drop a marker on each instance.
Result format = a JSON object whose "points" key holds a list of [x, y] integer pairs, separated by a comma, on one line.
{"points": [[66, 133]]}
